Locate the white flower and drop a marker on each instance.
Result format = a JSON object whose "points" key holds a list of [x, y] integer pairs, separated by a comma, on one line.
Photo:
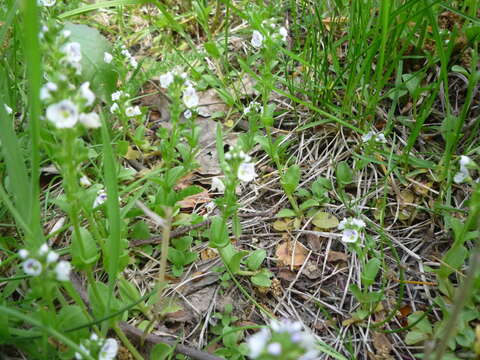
{"points": [[190, 97], [8, 109], [52, 257], [133, 62], [73, 52], [126, 53], [62, 270], [350, 235], [166, 80], [114, 108], [218, 185], [132, 111], [116, 95], [100, 199], [257, 39], [381, 138], [252, 107], [85, 181], [285, 325], [94, 337], [460, 177], [107, 57], [368, 136], [86, 93], [465, 161], [43, 250], [66, 33], [274, 349], [90, 120], [109, 350], [283, 33], [246, 171], [23, 253], [187, 114], [79, 356], [63, 114], [256, 343], [32, 267], [47, 3], [228, 156], [47, 89], [359, 223]]}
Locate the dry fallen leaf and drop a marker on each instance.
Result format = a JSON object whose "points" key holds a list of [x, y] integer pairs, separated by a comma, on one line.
{"points": [[334, 256], [194, 200], [382, 345], [291, 255], [210, 103]]}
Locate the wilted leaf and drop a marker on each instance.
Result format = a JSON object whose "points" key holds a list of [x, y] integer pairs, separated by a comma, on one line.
{"points": [[382, 345], [334, 256], [191, 201], [210, 103], [132, 154], [283, 224], [325, 220], [289, 255]]}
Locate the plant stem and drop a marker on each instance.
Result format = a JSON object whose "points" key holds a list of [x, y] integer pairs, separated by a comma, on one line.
{"points": [[127, 343]]}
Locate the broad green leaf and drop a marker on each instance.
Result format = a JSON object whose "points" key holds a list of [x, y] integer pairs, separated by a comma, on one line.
{"points": [[161, 352], [344, 173], [101, 75], [291, 179], [286, 213], [261, 279], [235, 260], [254, 261], [84, 249], [212, 49], [370, 272]]}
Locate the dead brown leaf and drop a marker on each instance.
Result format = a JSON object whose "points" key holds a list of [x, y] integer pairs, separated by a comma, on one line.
{"points": [[191, 201], [382, 345], [291, 255], [210, 103], [334, 256]]}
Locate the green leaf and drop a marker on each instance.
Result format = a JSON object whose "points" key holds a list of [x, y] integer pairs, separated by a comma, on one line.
{"points": [[188, 191], [84, 249], [212, 49], [183, 243], [309, 204], [255, 259], [235, 260], [415, 336], [175, 256], [370, 272], [455, 258], [286, 213], [261, 279], [344, 173], [291, 179], [218, 233], [141, 231], [93, 46], [161, 352]]}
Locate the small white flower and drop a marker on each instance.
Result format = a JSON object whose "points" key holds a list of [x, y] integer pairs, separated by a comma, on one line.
{"points": [[32, 267], [47, 89], [359, 223], [86, 93], [114, 108], [63, 114], [85, 181], [8, 109], [23, 253], [381, 138], [246, 171], [79, 356], [94, 337], [190, 97], [203, 111], [228, 156], [126, 53], [132, 111], [73, 52], [109, 350], [62, 270], [166, 80], [257, 39], [52, 257], [90, 120], [133, 62], [107, 57], [368, 136], [66, 33], [217, 185], [187, 114], [285, 325], [47, 3], [100, 199], [274, 349], [117, 95], [460, 177], [43, 250], [283, 33], [465, 161], [350, 235], [256, 343]]}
